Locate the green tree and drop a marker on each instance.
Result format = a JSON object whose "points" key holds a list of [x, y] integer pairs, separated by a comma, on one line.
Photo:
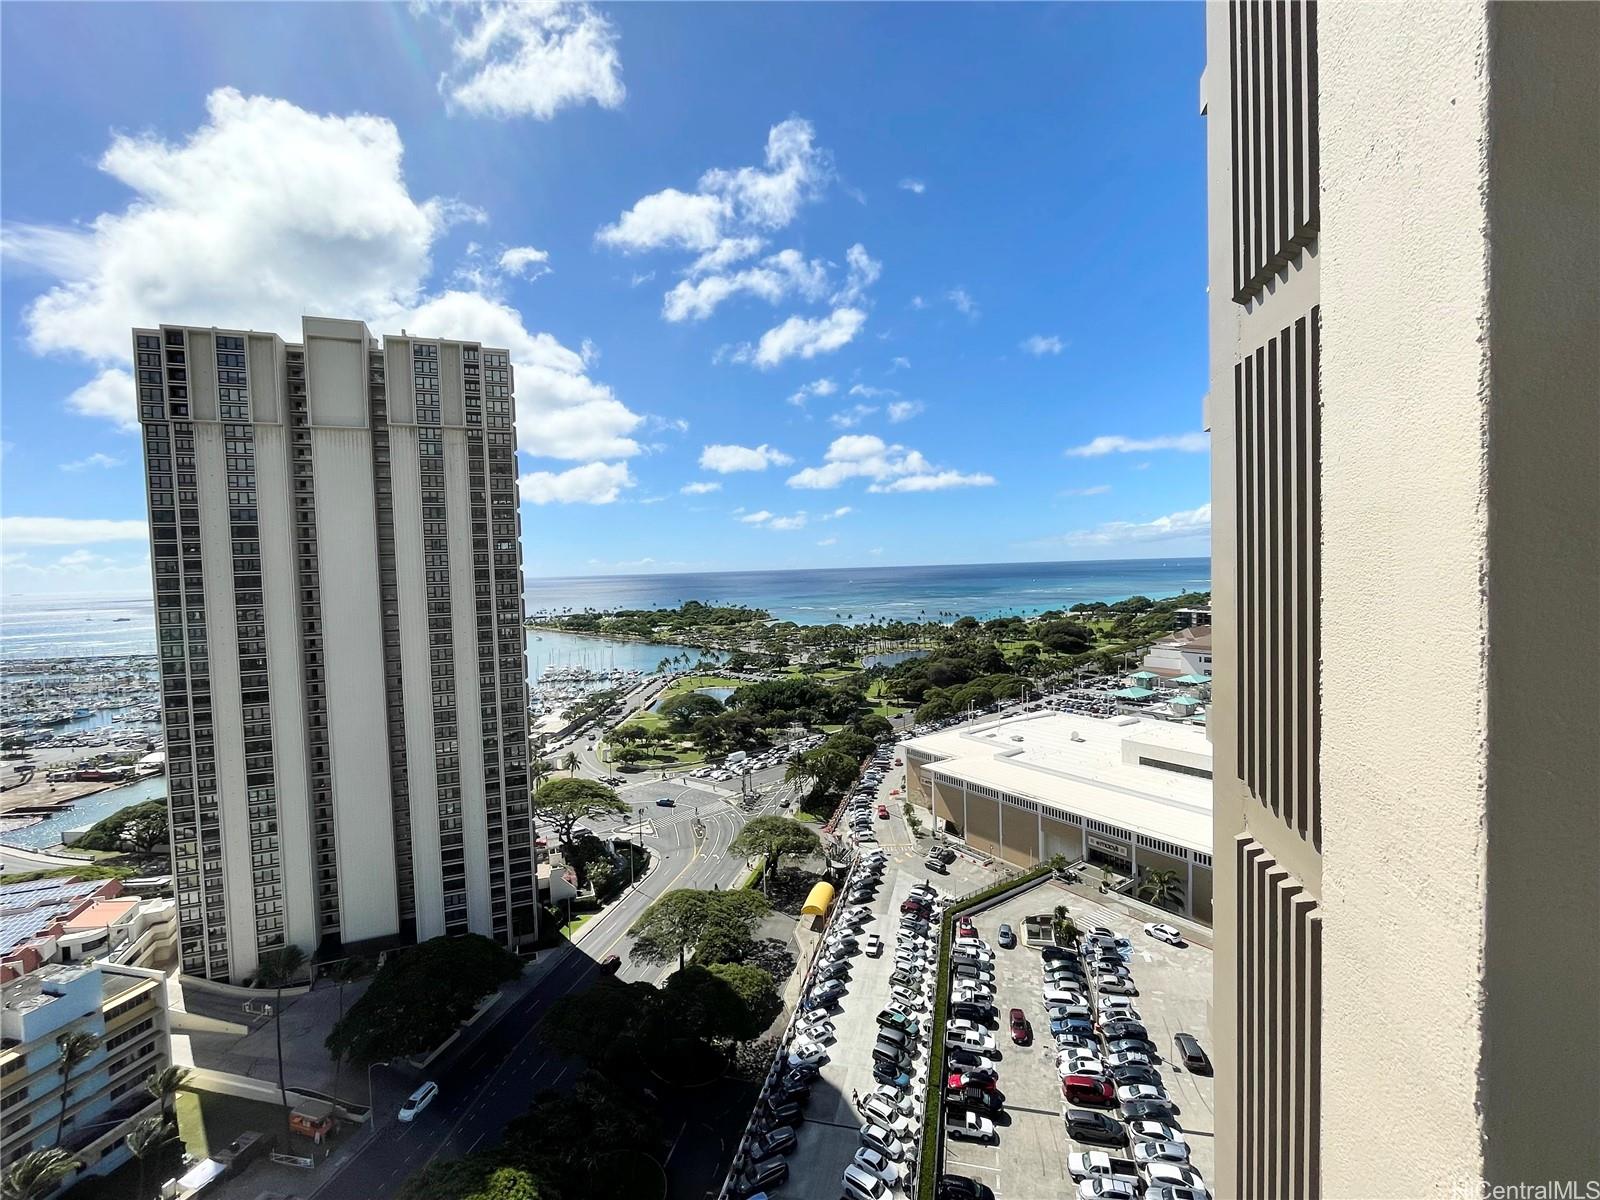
{"points": [[1162, 888], [72, 1051], [163, 1085], [722, 940], [277, 969], [147, 1140], [670, 926], [508, 1183], [723, 1002], [562, 803], [775, 837], [682, 711], [36, 1174], [873, 726], [759, 1001]]}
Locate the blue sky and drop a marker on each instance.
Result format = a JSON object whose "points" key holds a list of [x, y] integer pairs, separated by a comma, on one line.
{"points": [[786, 285]]}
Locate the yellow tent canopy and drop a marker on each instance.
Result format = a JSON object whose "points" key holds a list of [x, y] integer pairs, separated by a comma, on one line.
{"points": [[817, 900]]}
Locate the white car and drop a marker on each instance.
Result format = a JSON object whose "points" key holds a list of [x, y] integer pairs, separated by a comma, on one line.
{"points": [[1129, 1092], [972, 995], [874, 946], [876, 1137], [900, 1102], [1112, 1187], [1128, 1058], [876, 1165], [1175, 1175], [1056, 995], [1169, 934], [1145, 1153], [1088, 1065], [805, 1053], [1156, 1131], [1114, 985], [907, 999], [884, 1112], [970, 1127], [977, 1043]]}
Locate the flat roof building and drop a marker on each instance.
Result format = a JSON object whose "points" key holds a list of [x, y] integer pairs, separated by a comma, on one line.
{"points": [[1130, 794]]}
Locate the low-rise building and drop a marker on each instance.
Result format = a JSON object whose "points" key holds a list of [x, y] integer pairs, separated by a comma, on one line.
{"points": [[87, 1114], [1186, 652], [73, 920], [1130, 794]]}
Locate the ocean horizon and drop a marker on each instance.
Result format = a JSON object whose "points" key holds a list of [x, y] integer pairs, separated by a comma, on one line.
{"points": [[34, 627]]}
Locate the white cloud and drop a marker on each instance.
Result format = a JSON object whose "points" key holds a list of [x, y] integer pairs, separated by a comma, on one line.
{"points": [[890, 468], [701, 487], [869, 392], [963, 301], [904, 410], [828, 541], [67, 531], [756, 518], [934, 481], [530, 60], [803, 337], [1189, 443], [899, 363], [849, 418], [797, 521], [786, 273], [724, 459], [817, 387], [913, 185], [109, 396], [94, 460], [1099, 489], [844, 510], [862, 272], [592, 483], [314, 212], [746, 198], [78, 572], [636, 279], [668, 218], [1190, 523], [918, 303], [525, 261], [1039, 345], [725, 253], [875, 551]]}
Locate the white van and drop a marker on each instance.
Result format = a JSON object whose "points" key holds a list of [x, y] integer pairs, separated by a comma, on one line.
{"points": [[418, 1100]]}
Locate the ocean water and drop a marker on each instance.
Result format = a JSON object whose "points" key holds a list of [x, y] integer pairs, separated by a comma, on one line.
{"points": [[35, 627], [859, 594]]}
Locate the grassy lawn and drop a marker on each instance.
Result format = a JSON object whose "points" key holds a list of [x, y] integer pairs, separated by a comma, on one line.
{"points": [[572, 927], [888, 710]]}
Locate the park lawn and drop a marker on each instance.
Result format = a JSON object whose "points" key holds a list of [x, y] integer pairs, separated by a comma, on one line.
{"points": [[572, 927], [888, 710]]}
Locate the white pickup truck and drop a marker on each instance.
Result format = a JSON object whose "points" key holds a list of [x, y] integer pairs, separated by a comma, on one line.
{"points": [[1100, 1165]]}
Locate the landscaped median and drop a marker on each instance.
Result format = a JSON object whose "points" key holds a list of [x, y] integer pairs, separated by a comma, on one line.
{"points": [[933, 1113]]}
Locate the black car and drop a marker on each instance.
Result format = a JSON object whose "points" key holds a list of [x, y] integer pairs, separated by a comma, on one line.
{"points": [[959, 1187], [775, 1141], [964, 1060], [945, 854], [971, 1011], [977, 1100], [885, 1072], [1133, 1073], [1115, 1030], [785, 1112], [1149, 1110], [837, 970], [761, 1176], [1131, 1046], [802, 1071], [796, 1086], [1097, 1129], [1191, 1055]]}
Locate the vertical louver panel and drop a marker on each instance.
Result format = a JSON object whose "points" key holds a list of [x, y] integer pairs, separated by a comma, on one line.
{"points": [[1272, 60], [1278, 1026], [1278, 526]]}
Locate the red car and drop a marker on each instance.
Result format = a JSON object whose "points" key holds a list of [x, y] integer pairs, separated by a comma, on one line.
{"points": [[1021, 1031], [985, 1081], [1087, 1089], [914, 905], [965, 928], [883, 812]]}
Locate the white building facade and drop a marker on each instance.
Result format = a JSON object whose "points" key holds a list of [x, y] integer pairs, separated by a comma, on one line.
{"points": [[336, 551]]}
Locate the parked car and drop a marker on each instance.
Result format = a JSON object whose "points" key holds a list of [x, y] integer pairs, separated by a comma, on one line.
{"points": [[1115, 985], [972, 1010], [1095, 1128], [1155, 1131], [1087, 1090], [1021, 1031], [983, 1078], [1149, 1110], [1134, 1074], [874, 946], [860, 1185], [1119, 1028], [963, 1059], [1176, 1191], [979, 1100], [898, 1019], [1175, 1174], [1086, 1164], [890, 1074], [875, 1137], [960, 1187], [970, 1127], [1007, 937], [775, 1141], [876, 1165], [1139, 1091], [1191, 1055], [1109, 1189], [1170, 934], [1146, 1153]]}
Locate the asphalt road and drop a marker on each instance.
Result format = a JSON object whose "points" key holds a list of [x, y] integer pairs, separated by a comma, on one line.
{"points": [[496, 1078]]}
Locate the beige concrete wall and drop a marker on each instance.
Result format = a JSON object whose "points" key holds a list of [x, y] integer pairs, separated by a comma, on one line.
{"points": [[1460, 278], [1019, 836], [947, 806], [1061, 838], [983, 824]]}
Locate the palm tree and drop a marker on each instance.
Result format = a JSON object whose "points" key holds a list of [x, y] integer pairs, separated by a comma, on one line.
{"points": [[570, 763], [1162, 888], [147, 1140], [277, 969], [36, 1174], [74, 1049], [163, 1085]]}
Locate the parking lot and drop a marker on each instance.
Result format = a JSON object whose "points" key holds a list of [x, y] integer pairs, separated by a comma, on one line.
{"points": [[1174, 995], [829, 1135]]}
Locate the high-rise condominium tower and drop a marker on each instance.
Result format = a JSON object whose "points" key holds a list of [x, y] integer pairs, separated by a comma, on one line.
{"points": [[334, 539], [1406, 433]]}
